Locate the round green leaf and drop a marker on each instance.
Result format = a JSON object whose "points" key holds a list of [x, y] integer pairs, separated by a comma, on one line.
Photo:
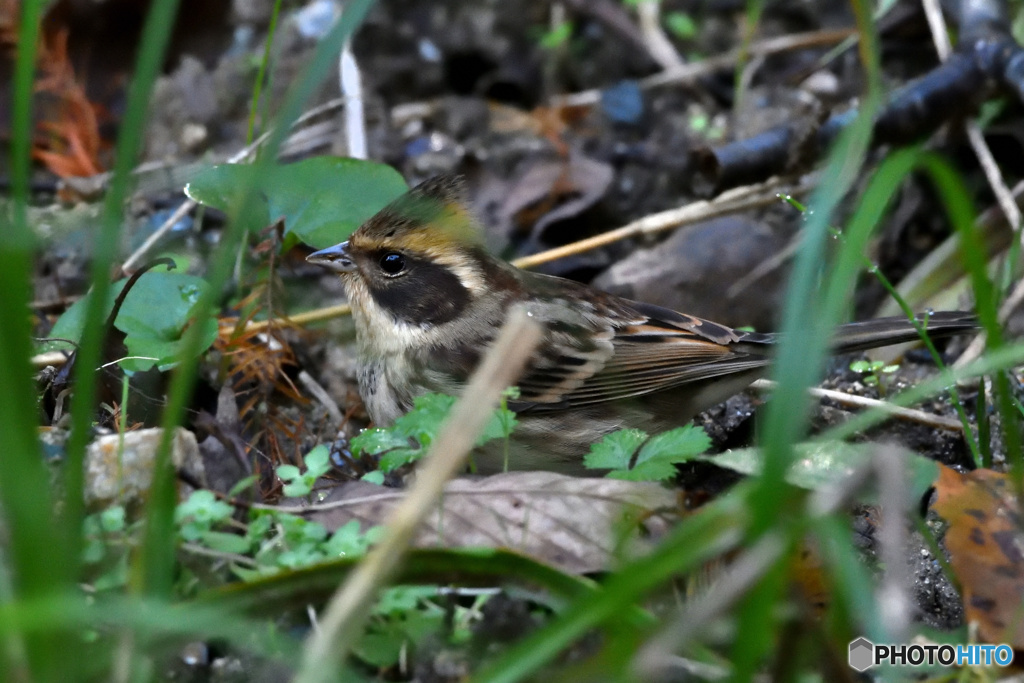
{"points": [[322, 200]]}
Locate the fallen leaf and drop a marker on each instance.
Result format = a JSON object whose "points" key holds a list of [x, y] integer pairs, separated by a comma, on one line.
{"points": [[572, 523], [985, 540], [554, 191]]}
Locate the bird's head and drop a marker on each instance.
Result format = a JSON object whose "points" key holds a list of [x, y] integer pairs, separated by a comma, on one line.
{"points": [[420, 259]]}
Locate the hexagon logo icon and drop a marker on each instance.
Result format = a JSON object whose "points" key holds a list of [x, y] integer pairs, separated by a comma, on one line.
{"points": [[862, 654]]}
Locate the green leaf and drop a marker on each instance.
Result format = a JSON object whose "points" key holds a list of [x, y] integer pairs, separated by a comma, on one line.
{"points": [[398, 457], [401, 599], [312, 532], [615, 450], [658, 458], [113, 519], [347, 541], [675, 446], [374, 477], [377, 440], [153, 318], [380, 649], [203, 507], [94, 551], [318, 461], [322, 200], [681, 25], [70, 324], [425, 418], [821, 464], [297, 488], [300, 557], [225, 542], [288, 472], [654, 470], [500, 426]]}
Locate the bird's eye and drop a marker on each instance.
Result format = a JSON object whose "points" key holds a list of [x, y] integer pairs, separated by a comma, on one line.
{"points": [[392, 263]]}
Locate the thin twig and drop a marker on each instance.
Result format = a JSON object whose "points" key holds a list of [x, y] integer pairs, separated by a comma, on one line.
{"points": [[320, 394], [735, 200], [658, 45], [344, 615], [688, 73], [854, 401], [352, 91], [238, 157]]}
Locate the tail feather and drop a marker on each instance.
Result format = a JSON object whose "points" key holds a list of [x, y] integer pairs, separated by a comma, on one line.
{"points": [[870, 334]]}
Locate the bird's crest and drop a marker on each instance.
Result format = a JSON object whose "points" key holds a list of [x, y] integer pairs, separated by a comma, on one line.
{"points": [[431, 216]]}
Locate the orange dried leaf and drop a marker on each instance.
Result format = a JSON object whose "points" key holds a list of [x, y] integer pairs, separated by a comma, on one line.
{"points": [[985, 540], [72, 144]]}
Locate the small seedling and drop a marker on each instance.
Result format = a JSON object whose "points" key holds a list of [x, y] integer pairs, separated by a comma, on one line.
{"points": [[872, 371], [409, 438], [633, 454], [318, 463]]}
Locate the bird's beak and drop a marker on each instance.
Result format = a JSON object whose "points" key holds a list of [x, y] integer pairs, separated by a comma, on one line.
{"points": [[335, 258]]}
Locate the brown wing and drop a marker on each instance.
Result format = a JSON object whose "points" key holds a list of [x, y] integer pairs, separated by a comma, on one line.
{"points": [[606, 348]]}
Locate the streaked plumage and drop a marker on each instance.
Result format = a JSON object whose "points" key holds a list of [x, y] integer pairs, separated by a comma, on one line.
{"points": [[428, 299]]}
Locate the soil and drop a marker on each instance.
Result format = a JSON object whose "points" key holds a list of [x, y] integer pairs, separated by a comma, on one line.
{"points": [[470, 88]]}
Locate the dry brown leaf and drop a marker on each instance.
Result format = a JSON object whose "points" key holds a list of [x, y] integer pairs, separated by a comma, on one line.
{"points": [[985, 540], [572, 523], [552, 191]]}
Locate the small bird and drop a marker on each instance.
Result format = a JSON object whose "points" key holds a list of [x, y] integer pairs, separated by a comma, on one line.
{"points": [[428, 299]]}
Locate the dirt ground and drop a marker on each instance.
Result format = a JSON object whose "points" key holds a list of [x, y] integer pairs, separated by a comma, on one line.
{"points": [[481, 89]]}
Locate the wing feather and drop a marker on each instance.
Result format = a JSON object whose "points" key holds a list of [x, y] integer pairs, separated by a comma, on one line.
{"points": [[608, 348]]}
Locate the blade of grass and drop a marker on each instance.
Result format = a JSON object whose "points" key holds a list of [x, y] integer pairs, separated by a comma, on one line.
{"points": [[711, 531], [960, 210], [155, 36], [346, 613], [257, 88], [994, 361], [976, 450], [154, 567], [462, 566], [39, 565], [154, 622], [806, 323]]}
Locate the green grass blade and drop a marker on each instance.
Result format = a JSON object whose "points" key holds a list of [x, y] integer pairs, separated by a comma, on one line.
{"points": [[711, 531], [38, 566], [960, 209], [261, 73], [994, 361], [155, 36], [806, 323], [153, 572], [805, 319]]}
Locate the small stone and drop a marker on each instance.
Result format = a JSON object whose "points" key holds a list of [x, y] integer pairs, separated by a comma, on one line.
{"points": [[823, 84], [694, 269], [123, 474], [194, 137]]}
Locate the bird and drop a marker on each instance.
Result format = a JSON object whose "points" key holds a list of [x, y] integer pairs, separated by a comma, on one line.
{"points": [[428, 299]]}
